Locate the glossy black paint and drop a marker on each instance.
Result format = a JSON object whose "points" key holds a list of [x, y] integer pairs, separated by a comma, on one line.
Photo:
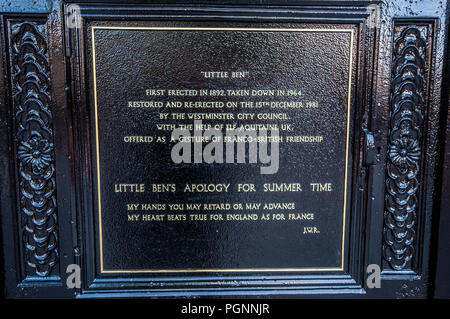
{"points": [[274, 60], [72, 112]]}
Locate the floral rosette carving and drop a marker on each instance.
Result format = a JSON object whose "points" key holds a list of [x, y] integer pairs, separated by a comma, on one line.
{"points": [[404, 149], [35, 150]]}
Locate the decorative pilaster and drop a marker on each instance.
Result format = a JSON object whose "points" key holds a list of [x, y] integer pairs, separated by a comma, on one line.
{"points": [[407, 111], [34, 147]]}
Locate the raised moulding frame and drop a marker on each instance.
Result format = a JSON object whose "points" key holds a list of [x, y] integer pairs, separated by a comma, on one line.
{"points": [[349, 279]]}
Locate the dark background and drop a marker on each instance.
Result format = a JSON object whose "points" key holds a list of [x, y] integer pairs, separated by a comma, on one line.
{"points": [[68, 56], [173, 60]]}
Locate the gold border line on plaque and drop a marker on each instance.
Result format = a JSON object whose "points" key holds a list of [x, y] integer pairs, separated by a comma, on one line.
{"points": [[341, 268]]}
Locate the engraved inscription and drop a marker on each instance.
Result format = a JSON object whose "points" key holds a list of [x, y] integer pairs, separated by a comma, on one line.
{"points": [[179, 188]]}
